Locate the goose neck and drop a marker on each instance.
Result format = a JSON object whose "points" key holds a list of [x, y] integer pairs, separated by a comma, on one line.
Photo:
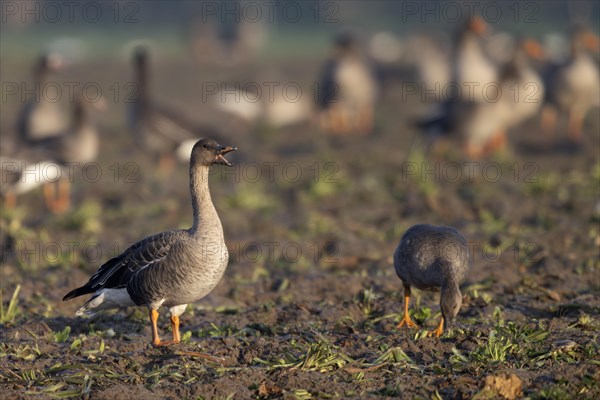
{"points": [[205, 215]]}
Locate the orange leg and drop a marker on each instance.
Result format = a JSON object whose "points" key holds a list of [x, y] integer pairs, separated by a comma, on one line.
{"points": [[10, 200], [365, 120], [474, 151], [406, 320], [497, 143], [549, 118], [439, 330], [175, 328], [575, 125], [64, 195], [154, 320], [155, 338], [49, 195], [335, 119], [57, 196]]}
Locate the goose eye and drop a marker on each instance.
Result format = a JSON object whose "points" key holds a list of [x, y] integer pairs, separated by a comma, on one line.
{"points": [[205, 146]]}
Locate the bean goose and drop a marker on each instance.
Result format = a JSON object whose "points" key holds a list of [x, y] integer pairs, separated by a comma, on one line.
{"points": [[172, 268], [156, 128], [42, 116], [20, 176], [347, 90], [433, 258], [481, 126], [573, 85], [471, 65], [76, 146]]}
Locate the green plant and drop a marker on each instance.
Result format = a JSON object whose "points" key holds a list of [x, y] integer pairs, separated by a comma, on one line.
{"points": [[9, 314], [62, 336]]}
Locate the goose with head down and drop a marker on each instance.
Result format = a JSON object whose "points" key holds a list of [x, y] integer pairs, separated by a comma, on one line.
{"points": [[433, 258]]}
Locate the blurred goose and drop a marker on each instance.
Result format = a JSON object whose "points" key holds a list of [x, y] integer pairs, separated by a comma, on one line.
{"points": [[430, 56], [21, 176], [520, 98], [347, 90], [172, 268], [273, 109], [573, 86], [78, 145], [432, 258], [522, 87], [482, 126], [157, 129], [470, 63], [41, 117]]}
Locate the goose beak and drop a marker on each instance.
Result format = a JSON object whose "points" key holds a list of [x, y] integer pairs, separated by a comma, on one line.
{"points": [[533, 49], [478, 26], [221, 151]]}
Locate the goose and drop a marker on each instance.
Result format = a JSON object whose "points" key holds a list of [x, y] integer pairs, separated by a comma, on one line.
{"points": [[78, 145], [42, 117], [432, 258], [481, 126], [347, 89], [157, 129], [521, 94], [471, 65], [20, 176], [172, 268], [573, 85]]}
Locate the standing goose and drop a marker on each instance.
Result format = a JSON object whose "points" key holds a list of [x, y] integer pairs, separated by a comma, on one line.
{"points": [[520, 97], [573, 86], [157, 129], [482, 126], [172, 268], [433, 258], [42, 117], [78, 145], [471, 65], [347, 90]]}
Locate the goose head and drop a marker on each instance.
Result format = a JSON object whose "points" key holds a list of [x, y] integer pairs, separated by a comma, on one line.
{"points": [[477, 25], [207, 152], [450, 302]]}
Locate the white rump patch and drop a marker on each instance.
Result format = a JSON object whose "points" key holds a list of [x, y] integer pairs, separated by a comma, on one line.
{"points": [[105, 299]]}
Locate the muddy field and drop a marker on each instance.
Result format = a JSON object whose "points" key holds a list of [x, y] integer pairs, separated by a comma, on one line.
{"points": [[309, 304]]}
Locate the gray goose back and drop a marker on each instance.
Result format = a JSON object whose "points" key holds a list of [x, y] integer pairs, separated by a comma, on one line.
{"points": [[428, 256]]}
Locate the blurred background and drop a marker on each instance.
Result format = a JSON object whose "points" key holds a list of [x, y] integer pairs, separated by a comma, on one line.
{"points": [[338, 108], [354, 121]]}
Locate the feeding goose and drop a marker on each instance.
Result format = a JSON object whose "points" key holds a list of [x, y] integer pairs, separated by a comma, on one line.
{"points": [[433, 258], [172, 268]]}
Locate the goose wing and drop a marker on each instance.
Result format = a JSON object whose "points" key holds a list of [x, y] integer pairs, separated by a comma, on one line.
{"points": [[117, 272]]}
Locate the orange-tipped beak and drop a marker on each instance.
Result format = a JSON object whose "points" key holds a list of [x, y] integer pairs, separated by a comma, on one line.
{"points": [[591, 41], [219, 159], [533, 49], [478, 25]]}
